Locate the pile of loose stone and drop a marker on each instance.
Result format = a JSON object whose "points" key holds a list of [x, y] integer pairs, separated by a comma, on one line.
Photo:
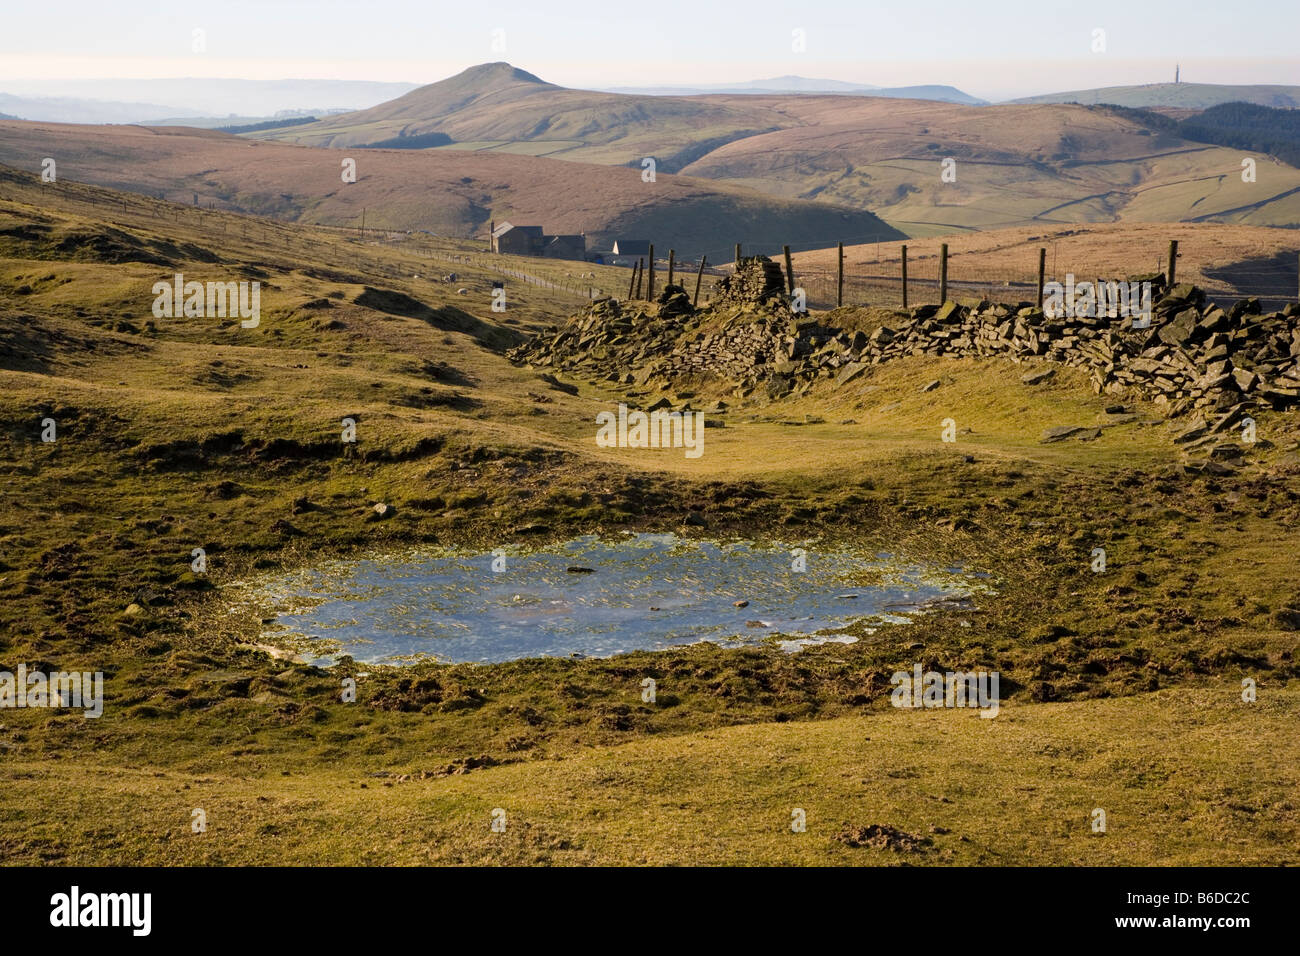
{"points": [[755, 279], [1193, 357]]}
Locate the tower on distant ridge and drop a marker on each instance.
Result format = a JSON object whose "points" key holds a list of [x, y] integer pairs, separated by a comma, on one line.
{"points": [[1175, 72]]}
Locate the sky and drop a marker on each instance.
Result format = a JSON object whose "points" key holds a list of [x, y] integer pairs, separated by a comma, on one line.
{"points": [[995, 49]]}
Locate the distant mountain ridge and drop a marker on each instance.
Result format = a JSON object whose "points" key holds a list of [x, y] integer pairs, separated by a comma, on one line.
{"points": [[62, 109], [1177, 95], [150, 101], [500, 107], [801, 84], [1012, 164], [830, 161]]}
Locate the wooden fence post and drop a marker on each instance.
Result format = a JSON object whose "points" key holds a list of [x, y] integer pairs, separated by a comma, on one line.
{"points": [[640, 264], [736, 263], [1042, 272], [1173, 260], [789, 271], [650, 281], [672, 255], [631, 283], [698, 276], [905, 277], [943, 273], [839, 283]]}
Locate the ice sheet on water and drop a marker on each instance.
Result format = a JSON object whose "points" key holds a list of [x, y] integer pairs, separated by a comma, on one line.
{"points": [[647, 592]]}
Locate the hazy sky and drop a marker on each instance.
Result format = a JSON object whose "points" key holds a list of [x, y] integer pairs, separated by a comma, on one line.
{"points": [[990, 48]]}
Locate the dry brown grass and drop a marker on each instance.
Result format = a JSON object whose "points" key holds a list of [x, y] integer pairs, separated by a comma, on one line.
{"points": [[1016, 165]]}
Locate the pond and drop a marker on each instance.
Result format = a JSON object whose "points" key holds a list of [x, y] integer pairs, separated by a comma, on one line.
{"points": [[596, 597]]}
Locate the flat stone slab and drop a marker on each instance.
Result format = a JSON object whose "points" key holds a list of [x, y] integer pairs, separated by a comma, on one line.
{"points": [[1038, 375], [850, 372], [1194, 431], [1062, 432]]}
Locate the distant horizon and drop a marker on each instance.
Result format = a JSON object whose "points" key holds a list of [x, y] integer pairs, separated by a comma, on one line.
{"points": [[1000, 50], [64, 87]]}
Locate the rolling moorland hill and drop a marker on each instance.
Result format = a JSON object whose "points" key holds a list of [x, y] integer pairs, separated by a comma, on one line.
{"points": [[1250, 126], [1016, 164], [496, 106], [800, 84], [1245, 126], [1177, 95], [449, 193]]}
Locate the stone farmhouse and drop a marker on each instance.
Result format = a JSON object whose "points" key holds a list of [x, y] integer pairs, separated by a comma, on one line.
{"points": [[533, 241]]}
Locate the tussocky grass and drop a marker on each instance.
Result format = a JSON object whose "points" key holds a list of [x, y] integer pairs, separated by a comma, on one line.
{"points": [[195, 433]]}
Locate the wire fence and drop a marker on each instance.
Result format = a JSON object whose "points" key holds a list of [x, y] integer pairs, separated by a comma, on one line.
{"points": [[1274, 281]]}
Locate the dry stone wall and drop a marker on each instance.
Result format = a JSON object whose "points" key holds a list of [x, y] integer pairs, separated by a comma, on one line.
{"points": [[1193, 357]]}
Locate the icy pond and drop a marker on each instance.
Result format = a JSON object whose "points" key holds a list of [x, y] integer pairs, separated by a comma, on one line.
{"points": [[595, 597]]}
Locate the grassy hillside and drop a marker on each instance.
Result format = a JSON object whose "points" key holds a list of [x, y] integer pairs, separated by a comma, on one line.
{"points": [[1015, 165], [1120, 690], [1176, 95], [1257, 129], [445, 192], [888, 789]]}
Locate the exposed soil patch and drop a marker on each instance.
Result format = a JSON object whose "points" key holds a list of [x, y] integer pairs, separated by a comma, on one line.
{"points": [[881, 836]]}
